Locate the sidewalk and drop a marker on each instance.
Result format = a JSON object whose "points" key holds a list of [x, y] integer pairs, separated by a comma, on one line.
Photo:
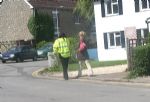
{"points": [[111, 75]]}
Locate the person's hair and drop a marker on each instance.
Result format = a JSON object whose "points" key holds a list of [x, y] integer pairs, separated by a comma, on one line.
{"points": [[62, 35], [82, 33]]}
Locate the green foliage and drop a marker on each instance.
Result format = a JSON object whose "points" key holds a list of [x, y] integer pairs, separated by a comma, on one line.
{"points": [[85, 8], [74, 44], [55, 69], [32, 26], [107, 63], [41, 27], [75, 66], [40, 44], [51, 69], [141, 61], [148, 39]]}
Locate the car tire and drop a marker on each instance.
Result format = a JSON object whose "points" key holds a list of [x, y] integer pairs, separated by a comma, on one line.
{"points": [[3, 61], [19, 60], [35, 58], [46, 57]]}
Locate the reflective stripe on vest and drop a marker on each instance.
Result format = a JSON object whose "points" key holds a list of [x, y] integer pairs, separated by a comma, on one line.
{"points": [[63, 48]]}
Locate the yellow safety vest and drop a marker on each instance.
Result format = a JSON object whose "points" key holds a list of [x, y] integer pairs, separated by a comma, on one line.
{"points": [[62, 46]]}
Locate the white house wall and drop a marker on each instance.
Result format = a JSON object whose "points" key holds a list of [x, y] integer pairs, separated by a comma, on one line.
{"points": [[129, 18]]}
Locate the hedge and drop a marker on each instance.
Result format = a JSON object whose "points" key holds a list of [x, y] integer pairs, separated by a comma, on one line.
{"points": [[141, 61]]}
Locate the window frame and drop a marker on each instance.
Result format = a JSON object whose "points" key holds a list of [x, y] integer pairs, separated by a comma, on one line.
{"points": [[144, 9], [76, 18], [143, 33], [112, 10], [115, 36]]}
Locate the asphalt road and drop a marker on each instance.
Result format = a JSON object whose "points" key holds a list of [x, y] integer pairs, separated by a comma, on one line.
{"points": [[17, 85]]}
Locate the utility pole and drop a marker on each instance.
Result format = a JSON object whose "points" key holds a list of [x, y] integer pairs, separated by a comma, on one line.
{"points": [[57, 19]]}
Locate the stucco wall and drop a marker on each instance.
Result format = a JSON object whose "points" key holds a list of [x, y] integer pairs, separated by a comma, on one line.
{"points": [[14, 15]]}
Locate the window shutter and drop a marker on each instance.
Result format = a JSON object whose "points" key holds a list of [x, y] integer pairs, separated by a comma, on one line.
{"points": [[105, 41], [145, 33], [137, 8], [122, 39], [103, 8], [120, 7], [138, 33]]}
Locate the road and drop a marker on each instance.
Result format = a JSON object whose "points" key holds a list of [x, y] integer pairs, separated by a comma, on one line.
{"points": [[17, 85]]}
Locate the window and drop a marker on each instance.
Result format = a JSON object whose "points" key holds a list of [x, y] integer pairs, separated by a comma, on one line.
{"points": [[111, 7], [142, 33], [114, 39], [56, 22], [76, 18], [142, 5]]}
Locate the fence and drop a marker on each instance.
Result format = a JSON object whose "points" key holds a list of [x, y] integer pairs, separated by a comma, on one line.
{"points": [[131, 43]]}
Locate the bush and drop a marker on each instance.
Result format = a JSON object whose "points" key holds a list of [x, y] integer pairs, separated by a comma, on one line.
{"points": [[148, 38], [41, 27], [141, 61], [40, 44], [74, 44]]}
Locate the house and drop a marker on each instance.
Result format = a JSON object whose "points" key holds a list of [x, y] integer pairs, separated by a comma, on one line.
{"points": [[64, 18], [114, 19], [67, 21], [14, 15]]}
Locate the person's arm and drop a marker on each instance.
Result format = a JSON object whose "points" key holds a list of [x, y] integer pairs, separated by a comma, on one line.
{"points": [[82, 46], [55, 46]]}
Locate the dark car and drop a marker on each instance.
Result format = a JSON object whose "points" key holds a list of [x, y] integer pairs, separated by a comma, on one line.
{"points": [[43, 51], [19, 54]]}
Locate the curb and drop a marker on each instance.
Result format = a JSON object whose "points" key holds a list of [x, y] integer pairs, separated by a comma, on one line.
{"points": [[115, 82], [36, 74]]}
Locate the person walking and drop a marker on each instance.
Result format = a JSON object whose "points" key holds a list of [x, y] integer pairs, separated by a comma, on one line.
{"points": [[61, 47], [82, 55]]}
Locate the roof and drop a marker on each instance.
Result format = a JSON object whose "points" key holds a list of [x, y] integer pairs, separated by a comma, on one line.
{"points": [[14, 15], [68, 4]]}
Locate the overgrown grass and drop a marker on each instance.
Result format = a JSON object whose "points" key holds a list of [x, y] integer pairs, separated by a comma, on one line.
{"points": [[94, 64]]}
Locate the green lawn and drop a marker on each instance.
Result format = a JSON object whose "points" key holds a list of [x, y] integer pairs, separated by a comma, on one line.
{"points": [[94, 64], [107, 63]]}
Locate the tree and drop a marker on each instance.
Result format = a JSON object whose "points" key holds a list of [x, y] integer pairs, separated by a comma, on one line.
{"points": [[41, 27], [85, 8]]}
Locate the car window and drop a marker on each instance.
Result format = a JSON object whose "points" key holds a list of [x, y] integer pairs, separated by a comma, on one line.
{"points": [[47, 46], [13, 49], [25, 49], [18, 49]]}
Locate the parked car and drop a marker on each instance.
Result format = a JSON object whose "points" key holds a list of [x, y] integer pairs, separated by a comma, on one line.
{"points": [[43, 51], [19, 54]]}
